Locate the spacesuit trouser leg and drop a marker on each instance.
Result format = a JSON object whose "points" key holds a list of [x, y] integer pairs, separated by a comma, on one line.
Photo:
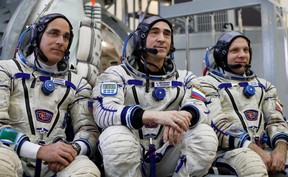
{"points": [[243, 161], [121, 152], [200, 151], [81, 166], [10, 164]]}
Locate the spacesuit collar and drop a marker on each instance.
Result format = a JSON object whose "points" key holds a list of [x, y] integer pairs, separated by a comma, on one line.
{"points": [[169, 65], [40, 64], [228, 75], [142, 69], [30, 61]]}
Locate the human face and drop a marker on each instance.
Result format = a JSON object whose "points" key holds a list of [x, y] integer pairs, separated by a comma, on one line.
{"points": [[238, 53], [159, 37], [55, 40]]}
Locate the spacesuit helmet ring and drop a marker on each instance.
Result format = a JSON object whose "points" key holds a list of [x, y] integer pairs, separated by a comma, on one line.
{"points": [[220, 50]]}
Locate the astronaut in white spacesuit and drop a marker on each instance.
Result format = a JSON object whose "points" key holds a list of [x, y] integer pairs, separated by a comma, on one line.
{"points": [[40, 97], [154, 121], [245, 110]]}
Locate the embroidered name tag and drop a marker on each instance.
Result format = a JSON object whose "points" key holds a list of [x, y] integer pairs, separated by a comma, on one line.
{"points": [[162, 84]]}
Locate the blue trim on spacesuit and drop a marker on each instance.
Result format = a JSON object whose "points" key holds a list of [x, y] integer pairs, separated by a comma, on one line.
{"points": [[218, 129], [277, 137], [241, 84], [45, 78], [195, 110], [135, 82], [242, 138], [127, 114]]}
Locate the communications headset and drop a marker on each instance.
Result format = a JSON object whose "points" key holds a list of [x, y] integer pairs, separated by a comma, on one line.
{"points": [[220, 52], [31, 37], [136, 44]]}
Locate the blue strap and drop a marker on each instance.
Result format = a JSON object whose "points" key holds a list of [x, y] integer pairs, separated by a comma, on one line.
{"points": [[241, 84], [182, 161], [140, 82], [135, 82], [152, 150], [177, 83], [224, 85], [22, 75], [67, 83], [44, 78]]}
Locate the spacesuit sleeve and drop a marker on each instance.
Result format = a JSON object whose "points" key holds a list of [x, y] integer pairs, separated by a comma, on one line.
{"points": [[5, 87], [82, 119], [276, 128], [229, 134], [109, 108], [194, 101], [8, 136]]}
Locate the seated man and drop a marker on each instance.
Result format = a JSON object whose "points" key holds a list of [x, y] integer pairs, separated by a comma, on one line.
{"points": [[154, 121], [39, 96], [245, 110]]}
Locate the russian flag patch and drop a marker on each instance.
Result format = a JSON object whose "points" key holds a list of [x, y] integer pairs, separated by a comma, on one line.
{"points": [[198, 95], [279, 106]]}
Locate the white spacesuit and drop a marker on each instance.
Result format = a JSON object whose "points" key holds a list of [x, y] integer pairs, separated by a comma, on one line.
{"points": [[37, 106], [243, 109], [128, 147]]}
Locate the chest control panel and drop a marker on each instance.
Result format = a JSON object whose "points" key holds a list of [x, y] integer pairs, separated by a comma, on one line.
{"points": [[108, 88]]}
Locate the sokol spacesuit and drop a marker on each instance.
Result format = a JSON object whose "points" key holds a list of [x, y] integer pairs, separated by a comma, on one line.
{"points": [[38, 102], [125, 94], [245, 110]]}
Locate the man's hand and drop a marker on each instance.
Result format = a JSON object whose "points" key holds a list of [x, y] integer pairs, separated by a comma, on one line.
{"points": [[178, 120], [172, 136], [58, 155], [278, 156], [55, 166], [266, 158]]}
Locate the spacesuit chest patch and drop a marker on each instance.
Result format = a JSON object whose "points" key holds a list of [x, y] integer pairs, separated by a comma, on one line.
{"points": [[251, 115], [43, 115]]}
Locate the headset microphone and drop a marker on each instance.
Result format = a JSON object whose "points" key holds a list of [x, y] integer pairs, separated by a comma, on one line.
{"points": [[151, 50], [236, 66], [247, 66]]}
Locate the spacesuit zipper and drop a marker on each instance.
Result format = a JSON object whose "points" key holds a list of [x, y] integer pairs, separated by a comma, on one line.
{"points": [[236, 109], [58, 106]]}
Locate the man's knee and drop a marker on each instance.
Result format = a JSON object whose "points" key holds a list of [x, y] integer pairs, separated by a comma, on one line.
{"points": [[10, 164], [81, 166]]}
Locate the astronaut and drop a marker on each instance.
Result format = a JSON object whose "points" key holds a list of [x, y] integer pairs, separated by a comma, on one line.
{"points": [[40, 98], [245, 110], [153, 121]]}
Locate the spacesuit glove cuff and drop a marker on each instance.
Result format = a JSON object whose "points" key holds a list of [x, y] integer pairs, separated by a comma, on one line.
{"points": [[194, 113], [84, 148], [246, 144], [29, 150]]}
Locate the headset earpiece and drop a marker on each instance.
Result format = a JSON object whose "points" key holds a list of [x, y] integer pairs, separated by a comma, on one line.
{"points": [[33, 36]]}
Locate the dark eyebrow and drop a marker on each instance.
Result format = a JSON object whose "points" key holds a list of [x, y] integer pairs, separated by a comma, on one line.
{"points": [[156, 28]]}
